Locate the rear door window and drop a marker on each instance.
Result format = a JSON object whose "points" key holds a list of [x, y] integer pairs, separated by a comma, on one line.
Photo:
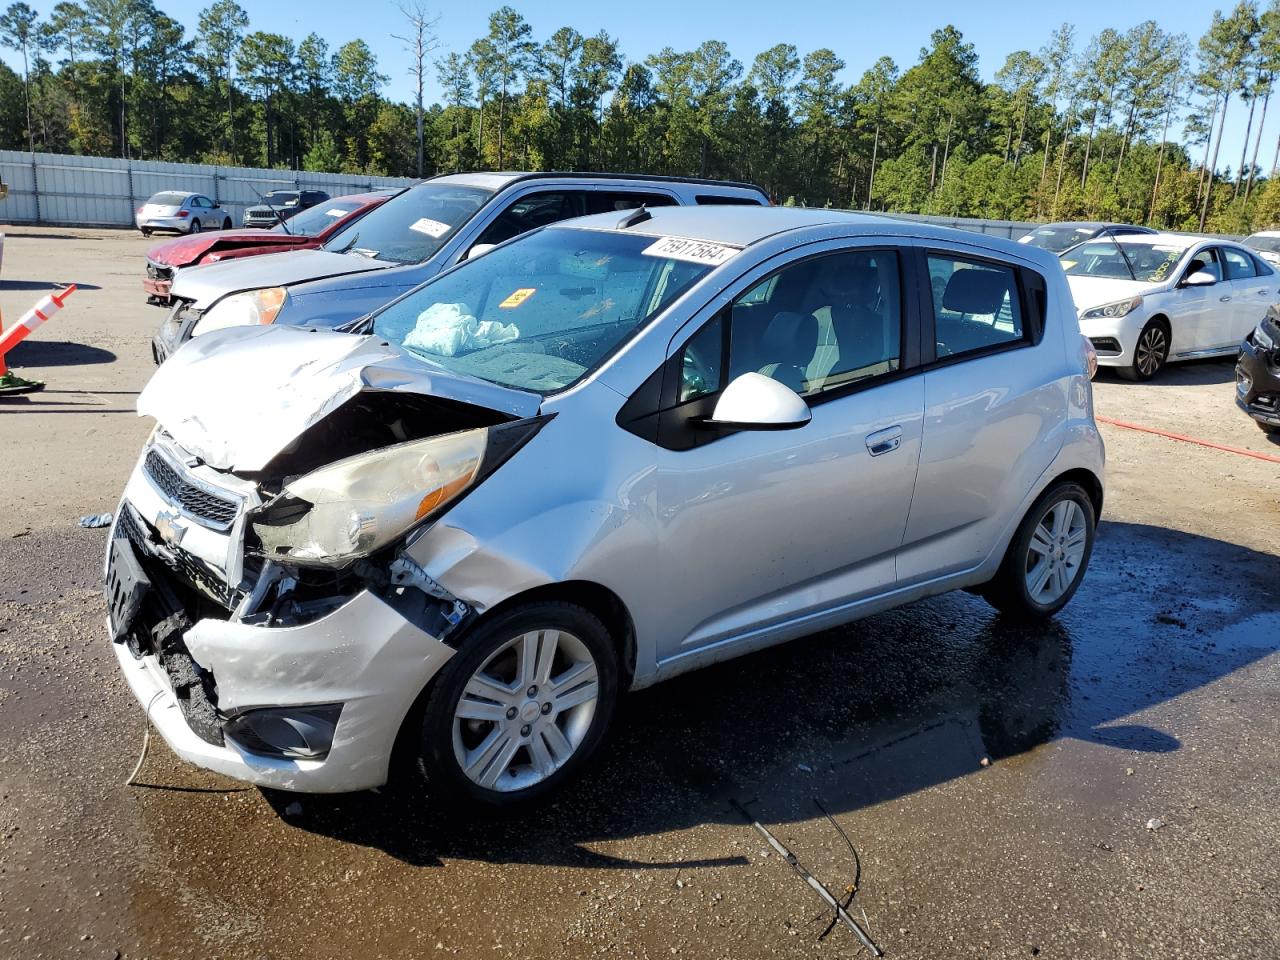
{"points": [[607, 201], [976, 306], [535, 210], [1239, 265]]}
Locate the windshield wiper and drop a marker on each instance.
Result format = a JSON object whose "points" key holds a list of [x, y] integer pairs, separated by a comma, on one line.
{"points": [[1127, 262], [347, 248]]}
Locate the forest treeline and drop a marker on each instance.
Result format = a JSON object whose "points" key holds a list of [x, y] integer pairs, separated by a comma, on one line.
{"points": [[1123, 125]]}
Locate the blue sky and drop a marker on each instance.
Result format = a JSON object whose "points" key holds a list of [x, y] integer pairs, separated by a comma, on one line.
{"points": [[859, 31]]}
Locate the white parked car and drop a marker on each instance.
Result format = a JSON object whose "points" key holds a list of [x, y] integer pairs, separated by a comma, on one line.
{"points": [[600, 455], [1266, 244], [1148, 300], [181, 213]]}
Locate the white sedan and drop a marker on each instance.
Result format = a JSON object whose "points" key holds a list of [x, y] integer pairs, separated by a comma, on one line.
{"points": [[1144, 301]]}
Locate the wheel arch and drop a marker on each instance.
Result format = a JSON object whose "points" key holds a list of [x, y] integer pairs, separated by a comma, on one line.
{"points": [[1087, 479], [593, 597]]}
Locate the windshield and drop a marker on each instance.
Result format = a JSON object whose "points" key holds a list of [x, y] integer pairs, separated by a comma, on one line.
{"points": [[318, 219], [1057, 239], [1149, 262], [411, 227], [281, 198], [168, 199], [1263, 244], [543, 310]]}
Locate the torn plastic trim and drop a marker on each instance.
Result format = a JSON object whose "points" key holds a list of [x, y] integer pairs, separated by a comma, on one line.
{"points": [[406, 572]]}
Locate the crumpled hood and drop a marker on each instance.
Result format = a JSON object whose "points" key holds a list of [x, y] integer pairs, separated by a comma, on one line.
{"points": [[208, 283], [1089, 292], [185, 250], [237, 397]]}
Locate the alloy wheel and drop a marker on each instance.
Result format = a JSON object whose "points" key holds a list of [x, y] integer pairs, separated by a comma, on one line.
{"points": [[1152, 347], [526, 710], [1056, 551]]}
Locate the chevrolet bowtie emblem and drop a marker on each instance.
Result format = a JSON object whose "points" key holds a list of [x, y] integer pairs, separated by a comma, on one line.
{"points": [[170, 528]]}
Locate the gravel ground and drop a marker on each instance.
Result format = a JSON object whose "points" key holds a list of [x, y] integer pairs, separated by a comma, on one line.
{"points": [[1103, 786]]}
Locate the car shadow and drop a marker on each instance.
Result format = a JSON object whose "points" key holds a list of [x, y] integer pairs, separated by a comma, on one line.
{"points": [[1187, 373], [56, 353], [871, 712], [45, 285]]}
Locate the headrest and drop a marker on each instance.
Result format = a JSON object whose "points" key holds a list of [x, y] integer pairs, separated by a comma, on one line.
{"points": [[974, 290], [846, 281], [790, 335]]}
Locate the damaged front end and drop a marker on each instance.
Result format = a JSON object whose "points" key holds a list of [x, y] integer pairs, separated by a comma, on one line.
{"points": [[269, 608]]}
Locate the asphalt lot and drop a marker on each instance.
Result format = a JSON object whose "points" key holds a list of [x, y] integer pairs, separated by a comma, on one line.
{"points": [[997, 782]]}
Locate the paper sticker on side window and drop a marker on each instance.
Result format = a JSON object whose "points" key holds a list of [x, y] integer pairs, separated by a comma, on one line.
{"points": [[432, 228], [694, 251]]}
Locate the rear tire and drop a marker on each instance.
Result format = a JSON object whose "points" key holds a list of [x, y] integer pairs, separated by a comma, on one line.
{"points": [[518, 711], [195, 227], [1150, 352], [1048, 556], [146, 232]]}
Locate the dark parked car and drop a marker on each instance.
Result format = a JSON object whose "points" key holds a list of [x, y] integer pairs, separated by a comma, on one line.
{"points": [[1057, 237], [307, 232], [1258, 373], [279, 205]]}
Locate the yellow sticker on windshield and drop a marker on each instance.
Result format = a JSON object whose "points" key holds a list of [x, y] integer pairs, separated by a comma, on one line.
{"points": [[1068, 264], [517, 298]]}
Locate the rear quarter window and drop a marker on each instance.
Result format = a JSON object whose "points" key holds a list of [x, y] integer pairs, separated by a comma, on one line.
{"points": [[720, 200]]}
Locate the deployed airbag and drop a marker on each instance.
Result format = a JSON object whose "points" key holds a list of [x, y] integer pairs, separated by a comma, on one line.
{"points": [[447, 329]]}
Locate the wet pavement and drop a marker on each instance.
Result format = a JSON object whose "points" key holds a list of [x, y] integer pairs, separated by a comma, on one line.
{"points": [[1104, 785]]}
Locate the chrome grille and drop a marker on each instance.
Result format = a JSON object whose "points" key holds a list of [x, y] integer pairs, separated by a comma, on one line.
{"points": [[195, 501]]}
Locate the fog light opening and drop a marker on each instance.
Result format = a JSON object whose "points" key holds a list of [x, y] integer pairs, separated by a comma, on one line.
{"points": [[295, 733]]}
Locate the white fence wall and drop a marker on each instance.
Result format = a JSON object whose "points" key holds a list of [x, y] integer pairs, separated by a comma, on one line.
{"points": [[104, 191]]}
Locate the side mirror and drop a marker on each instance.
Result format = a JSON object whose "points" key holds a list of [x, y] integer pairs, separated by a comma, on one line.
{"points": [[479, 250], [756, 402], [1201, 278]]}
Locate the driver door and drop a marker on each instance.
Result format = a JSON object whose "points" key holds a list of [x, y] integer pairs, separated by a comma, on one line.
{"points": [[766, 534], [1199, 312]]}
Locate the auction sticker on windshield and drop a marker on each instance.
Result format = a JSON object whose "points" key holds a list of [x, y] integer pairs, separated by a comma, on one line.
{"points": [[335, 212], [694, 251], [517, 298], [432, 228]]}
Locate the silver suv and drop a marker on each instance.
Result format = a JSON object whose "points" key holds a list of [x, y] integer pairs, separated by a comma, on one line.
{"points": [[605, 453], [408, 240]]}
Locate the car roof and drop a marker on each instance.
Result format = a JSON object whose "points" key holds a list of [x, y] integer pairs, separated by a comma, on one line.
{"points": [[745, 225], [504, 178], [1265, 233], [1093, 224]]}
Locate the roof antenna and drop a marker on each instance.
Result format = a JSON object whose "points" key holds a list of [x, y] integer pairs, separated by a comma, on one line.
{"points": [[634, 217]]}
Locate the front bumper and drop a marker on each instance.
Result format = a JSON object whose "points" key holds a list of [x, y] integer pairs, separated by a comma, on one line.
{"points": [[158, 280], [1114, 339], [365, 654], [1258, 382]]}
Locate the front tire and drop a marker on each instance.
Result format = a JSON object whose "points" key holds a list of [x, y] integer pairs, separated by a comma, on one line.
{"points": [[516, 713], [1048, 556], [226, 224], [1149, 352], [1268, 428]]}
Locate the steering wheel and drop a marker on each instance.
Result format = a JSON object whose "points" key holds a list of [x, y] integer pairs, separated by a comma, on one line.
{"points": [[695, 377]]}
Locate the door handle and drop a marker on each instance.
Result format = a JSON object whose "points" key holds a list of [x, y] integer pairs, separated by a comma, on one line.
{"points": [[884, 441], [1224, 299]]}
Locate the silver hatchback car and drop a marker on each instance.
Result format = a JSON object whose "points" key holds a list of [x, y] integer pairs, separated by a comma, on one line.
{"points": [[600, 455]]}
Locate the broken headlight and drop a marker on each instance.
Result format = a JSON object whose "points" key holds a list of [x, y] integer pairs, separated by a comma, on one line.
{"points": [[351, 508]]}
